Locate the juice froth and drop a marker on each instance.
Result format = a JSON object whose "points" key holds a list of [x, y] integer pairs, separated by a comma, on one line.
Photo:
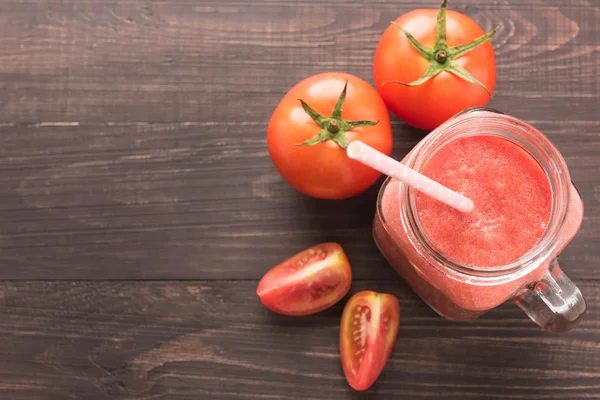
{"points": [[512, 197]]}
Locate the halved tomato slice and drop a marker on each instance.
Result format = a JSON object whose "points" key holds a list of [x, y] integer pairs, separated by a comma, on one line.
{"points": [[307, 282], [367, 333]]}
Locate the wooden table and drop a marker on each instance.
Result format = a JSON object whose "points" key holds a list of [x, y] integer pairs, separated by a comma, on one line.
{"points": [[140, 207]]}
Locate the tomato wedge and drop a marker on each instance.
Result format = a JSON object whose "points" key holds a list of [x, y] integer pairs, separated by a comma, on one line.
{"points": [[308, 282], [367, 333]]}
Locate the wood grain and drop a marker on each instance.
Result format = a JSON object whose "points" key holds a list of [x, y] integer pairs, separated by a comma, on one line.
{"points": [[214, 340], [132, 149], [214, 61], [197, 201]]}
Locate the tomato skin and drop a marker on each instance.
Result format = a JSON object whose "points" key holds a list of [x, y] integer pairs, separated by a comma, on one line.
{"points": [[308, 282], [324, 170], [428, 105], [368, 330]]}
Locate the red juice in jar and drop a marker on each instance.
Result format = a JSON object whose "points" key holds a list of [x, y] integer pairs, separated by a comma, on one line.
{"points": [[511, 193], [526, 211]]}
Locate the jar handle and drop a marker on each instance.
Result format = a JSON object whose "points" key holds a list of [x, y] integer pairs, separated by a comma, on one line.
{"points": [[554, 303]]}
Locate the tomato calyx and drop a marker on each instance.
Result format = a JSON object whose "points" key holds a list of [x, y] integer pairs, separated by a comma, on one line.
{"points": [[332, 127], [442, 57]]}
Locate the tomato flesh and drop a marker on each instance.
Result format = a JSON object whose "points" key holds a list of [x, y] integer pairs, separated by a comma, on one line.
{"points": [[307, 282], [367, 333]]}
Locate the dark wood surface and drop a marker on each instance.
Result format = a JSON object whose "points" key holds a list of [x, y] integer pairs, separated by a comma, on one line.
{"points": [[139, 206]]}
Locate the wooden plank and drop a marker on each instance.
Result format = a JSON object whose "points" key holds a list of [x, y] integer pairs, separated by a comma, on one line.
{"points": [[184, 201], [177, 201], [214, 61], [132, 147], [214, 340]]}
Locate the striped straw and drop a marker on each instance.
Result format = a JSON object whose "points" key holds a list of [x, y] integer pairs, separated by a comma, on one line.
{"points": [[386, 165]]}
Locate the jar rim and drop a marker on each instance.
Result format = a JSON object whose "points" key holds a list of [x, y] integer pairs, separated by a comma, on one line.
{"points": [[487, 122]]}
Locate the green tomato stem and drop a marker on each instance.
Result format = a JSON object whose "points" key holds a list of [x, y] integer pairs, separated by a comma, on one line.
{"points": [[334, 127], [441, 57]]}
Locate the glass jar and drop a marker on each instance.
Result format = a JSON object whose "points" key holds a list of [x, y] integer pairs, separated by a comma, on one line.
{"points": [[535, 281]]}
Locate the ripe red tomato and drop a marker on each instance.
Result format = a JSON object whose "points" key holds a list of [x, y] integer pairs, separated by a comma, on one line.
{"points": [[308, 282], [367, 333], [324, 116], [459, 77]]}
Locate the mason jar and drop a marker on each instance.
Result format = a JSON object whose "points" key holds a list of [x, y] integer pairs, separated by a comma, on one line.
{"points": [[456, 291]]}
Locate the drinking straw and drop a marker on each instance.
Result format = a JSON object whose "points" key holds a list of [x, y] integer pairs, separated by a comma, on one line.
{"points": [[367, 155]]}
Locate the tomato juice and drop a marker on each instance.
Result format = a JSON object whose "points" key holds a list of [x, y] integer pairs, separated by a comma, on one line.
{"points": [[463, 264], [512, 201]]}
